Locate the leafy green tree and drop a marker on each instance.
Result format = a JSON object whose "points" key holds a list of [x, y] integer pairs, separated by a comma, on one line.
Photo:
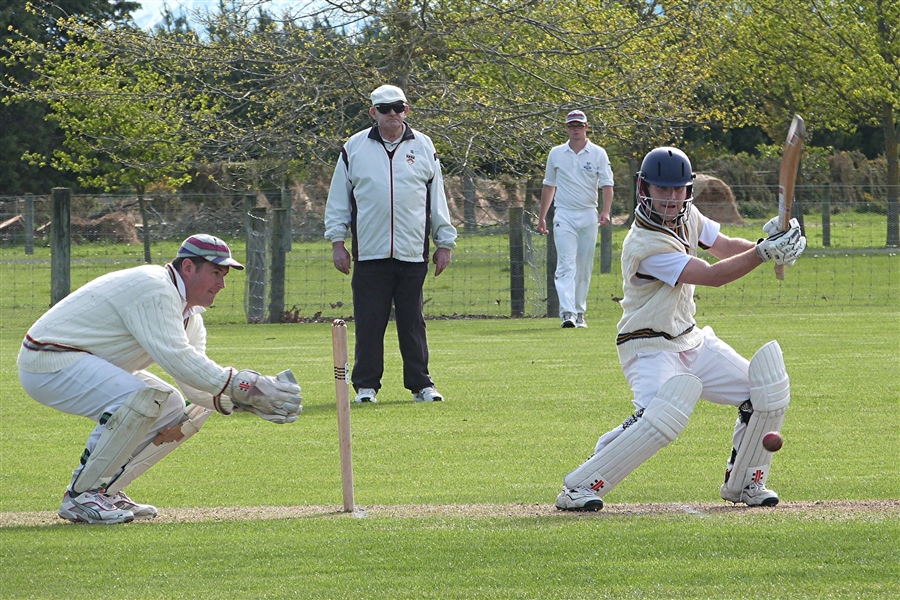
{"points": [[24, 125], [837, 63]]}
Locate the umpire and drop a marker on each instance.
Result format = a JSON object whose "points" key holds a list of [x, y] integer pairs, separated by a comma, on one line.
{"points": [[388, 194]]}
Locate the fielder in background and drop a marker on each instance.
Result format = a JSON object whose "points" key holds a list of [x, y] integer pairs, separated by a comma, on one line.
{"points": [[667, 360], [387, 194], [86, 356], [575, 171]]}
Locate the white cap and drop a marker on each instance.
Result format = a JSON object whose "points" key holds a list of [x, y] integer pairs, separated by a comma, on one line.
{"points": [[576, 116], [388, 94]]}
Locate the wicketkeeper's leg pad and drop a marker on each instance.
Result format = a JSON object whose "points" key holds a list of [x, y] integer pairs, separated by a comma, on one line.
{"points": [[167, 440], [123, 432], [770, 394], [644, 435]]}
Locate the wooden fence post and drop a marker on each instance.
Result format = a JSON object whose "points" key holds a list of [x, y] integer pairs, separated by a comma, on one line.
{"points": [[255, 282], [277, 269], [60, 245], [606, 248], [552, 296], [29, 224], [516, 261], [287, 204]]}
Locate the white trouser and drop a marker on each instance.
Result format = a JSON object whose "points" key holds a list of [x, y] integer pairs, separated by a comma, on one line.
{"points": [[723, 372], [575, 235], [92, 387]]}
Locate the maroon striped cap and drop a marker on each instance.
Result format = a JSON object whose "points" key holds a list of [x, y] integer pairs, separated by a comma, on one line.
{"points": [[203, 245]]}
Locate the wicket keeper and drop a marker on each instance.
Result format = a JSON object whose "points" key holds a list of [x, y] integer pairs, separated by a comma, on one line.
{"points": [[88, 354]]}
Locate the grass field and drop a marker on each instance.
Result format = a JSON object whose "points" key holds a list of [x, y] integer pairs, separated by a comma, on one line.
{"points": [[455, 499]]}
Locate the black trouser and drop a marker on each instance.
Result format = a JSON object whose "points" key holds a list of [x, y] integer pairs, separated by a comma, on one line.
{"points": [[376, 285]]}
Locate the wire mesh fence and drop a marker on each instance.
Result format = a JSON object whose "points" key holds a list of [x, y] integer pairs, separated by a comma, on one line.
{"points": [[847, 262]]}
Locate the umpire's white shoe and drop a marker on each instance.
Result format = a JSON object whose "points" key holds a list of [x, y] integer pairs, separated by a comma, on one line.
{"points": [[755, 494], [579, 499], [428, 394], [580, 322], [140, 511], [94, 508], [568, 320], [365, 395]]}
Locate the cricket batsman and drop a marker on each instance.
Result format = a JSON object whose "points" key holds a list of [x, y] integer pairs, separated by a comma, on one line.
{"points": [[87, 356], [669, 361]]}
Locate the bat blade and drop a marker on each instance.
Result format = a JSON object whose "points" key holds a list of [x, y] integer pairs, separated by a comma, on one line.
{"points": [[787, 177], [342, 395]]}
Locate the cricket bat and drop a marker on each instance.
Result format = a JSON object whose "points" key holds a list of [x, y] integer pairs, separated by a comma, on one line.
{"points": [[790, 160], [342, 393]]}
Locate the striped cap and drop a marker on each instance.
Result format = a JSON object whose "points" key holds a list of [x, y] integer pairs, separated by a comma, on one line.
{"points": [[210, 247], [576, 116]]}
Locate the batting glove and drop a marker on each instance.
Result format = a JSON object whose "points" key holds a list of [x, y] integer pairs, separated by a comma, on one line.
{"points": [[773, 226], [784, 247]]}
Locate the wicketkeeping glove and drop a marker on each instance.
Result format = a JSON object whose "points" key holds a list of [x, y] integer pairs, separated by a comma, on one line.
{"points": [[784, 247], [273, 399]]}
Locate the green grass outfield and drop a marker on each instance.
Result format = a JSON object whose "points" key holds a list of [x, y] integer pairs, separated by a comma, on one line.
{"points": [[457, 496]]}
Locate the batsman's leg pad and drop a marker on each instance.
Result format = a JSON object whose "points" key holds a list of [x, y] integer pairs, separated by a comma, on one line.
{"points": [[644, 435], [123, 433], [160, 447], [770, 394]]}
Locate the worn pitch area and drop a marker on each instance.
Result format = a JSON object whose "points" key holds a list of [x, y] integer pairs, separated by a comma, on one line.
{"points": [[828, 509]]}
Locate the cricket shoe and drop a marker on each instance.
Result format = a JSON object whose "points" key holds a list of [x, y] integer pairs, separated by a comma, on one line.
{"points": [[92, 507], [428, 394], [755, 494], [581, 499], [365, 395], [140, 511], [568, 320], [580, 322]]}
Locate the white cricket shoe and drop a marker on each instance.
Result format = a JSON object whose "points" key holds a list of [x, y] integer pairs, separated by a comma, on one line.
{"points": [[580, 322], [140, 511], [568, 320], [755, 494], [94, 508], [581, 499], [428, 394], [365, 395]]}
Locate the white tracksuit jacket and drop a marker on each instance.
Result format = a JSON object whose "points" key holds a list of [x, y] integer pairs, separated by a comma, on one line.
{"points": [[389, 202]]}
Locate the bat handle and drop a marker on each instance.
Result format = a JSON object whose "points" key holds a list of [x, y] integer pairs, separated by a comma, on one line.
{"points": [[779, 272]]}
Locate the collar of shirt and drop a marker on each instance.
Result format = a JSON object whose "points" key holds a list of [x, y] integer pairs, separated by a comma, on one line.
{"points": [[587, 145], [179, 285]]}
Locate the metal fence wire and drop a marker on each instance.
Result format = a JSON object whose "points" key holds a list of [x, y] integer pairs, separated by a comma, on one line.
{"points": [[501, 267]]}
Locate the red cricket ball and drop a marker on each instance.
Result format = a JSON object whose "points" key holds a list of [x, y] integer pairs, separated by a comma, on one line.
{"points": [[772, 441]]}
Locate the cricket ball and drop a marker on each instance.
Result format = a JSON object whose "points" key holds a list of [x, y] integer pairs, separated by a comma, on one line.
{"points": [[772, 441]]}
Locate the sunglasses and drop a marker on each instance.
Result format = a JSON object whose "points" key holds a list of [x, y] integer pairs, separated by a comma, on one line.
{"points": [[398, 107], [575, 125]]}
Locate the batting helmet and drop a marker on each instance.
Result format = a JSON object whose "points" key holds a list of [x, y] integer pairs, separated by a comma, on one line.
{"points": [[665, 167]]}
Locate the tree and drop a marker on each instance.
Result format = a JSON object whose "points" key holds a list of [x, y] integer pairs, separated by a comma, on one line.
{"points": [[837, 63], [24, 125]]}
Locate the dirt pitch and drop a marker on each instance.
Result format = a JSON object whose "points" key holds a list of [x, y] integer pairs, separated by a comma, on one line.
{"points": [[822, 510]]}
